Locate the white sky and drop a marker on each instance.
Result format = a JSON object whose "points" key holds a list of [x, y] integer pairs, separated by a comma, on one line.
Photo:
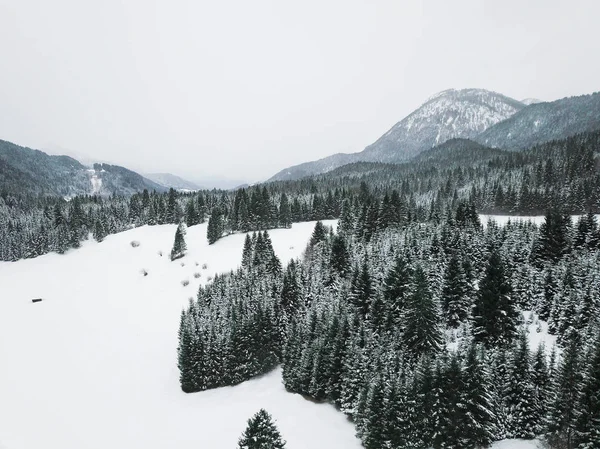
{"points": [[244, 88]]}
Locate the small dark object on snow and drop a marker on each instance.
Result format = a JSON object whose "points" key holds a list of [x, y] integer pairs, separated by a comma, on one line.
{"points": [[36, 300]]}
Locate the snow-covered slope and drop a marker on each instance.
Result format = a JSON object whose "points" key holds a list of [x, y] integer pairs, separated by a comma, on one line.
{"points": [[543, 122], [447, 115], [94, 364]]}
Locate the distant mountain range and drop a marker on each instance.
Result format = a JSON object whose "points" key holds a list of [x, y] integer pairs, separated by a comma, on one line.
{"points": [[489, 118], [24, 170], [169, 180]]}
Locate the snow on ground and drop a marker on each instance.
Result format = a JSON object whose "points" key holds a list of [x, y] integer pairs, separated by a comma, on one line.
{"points": [[94, 364], [517, 444], [538, 332], [501, 220]]}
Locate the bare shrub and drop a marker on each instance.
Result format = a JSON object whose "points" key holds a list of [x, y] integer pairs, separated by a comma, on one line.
{"points": [[196, 275]]}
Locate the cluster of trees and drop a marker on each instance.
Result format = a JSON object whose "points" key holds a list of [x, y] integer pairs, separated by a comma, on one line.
{"points": [[231, 332], [416, 330]]}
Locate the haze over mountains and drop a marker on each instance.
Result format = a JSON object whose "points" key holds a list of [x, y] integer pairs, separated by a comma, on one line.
{"points": [[486, 117]]}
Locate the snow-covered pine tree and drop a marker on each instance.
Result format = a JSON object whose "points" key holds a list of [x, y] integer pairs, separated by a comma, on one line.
{"points": [[495, 316], [422, 333], [261, 433], [179, 245]]}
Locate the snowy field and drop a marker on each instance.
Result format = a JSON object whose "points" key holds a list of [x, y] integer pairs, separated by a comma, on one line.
{"points": [[94, 364]]}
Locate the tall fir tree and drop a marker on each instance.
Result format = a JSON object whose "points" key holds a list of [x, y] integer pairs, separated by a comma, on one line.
{"points": [[495, 315], [179, 245], [261, 433]]}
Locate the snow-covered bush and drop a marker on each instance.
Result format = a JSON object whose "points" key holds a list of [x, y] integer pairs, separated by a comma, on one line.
{"points": [[135, 243]]}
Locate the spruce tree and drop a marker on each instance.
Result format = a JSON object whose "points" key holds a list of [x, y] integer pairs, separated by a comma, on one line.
{"points": [[455, 302], [587, 427], [478, 419], [396, 287], [179, 245], [340, 258], [421, 333], [261, 433], [565, 394], [285, 217], [495, 316]]}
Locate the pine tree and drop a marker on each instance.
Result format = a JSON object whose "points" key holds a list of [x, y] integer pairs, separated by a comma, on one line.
{"points": [[449, 432], [375, 416], [192, 217], [362, 291], [520, 396], [421, 333], [171, 213], [214, 231], [563, 406], [179, 245], [455, 301], [285, 217], [247, 253], [319, 234], [261, 433], [587, 428], [396, 287], [478, 419], [340, 258], [495, 316]]}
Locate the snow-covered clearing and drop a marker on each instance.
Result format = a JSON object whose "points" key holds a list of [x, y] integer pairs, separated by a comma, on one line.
{"points": [[94, 364], [501, 220], [517, 444]]}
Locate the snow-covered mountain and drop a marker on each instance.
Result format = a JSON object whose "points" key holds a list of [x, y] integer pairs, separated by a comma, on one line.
{"points": [[447, 115], [169, 180], [542, 122], [23, 170]]}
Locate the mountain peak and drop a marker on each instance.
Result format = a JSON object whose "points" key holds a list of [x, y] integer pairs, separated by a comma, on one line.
{"points": [[450, 114]]}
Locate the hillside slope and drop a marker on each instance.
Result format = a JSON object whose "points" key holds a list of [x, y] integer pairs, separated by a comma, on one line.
{"points": [[543, 122], [24, 170]]}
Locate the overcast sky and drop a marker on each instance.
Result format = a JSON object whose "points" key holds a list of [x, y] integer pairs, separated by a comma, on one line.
{"points": [[244, 88]]}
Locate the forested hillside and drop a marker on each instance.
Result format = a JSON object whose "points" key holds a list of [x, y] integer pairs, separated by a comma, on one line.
{"points": [[420, 332], [563, 172], [24, 171]]}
